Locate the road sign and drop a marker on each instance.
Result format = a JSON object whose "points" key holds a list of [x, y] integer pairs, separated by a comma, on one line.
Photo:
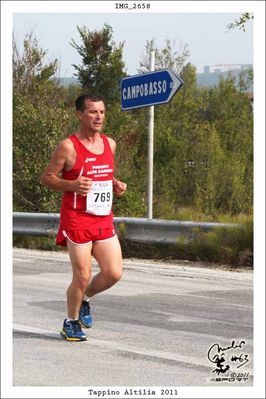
{"points": [[147, 89]]}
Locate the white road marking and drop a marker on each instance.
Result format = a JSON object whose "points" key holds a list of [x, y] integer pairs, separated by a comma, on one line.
{"points": [[23, 260], [119, 346]]}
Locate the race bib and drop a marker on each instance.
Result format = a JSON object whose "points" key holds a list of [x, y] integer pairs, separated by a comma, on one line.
{"points": [[100, 198]]}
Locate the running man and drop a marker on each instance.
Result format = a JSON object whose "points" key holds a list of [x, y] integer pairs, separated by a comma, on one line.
{"points": [[82, 167]]}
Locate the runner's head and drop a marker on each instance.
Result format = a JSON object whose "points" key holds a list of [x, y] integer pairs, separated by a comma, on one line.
{"points": [[90, 112], [84, 98]]}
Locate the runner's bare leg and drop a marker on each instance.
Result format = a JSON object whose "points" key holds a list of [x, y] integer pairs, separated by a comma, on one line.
{"points": [[109, 257], [80, 256]]}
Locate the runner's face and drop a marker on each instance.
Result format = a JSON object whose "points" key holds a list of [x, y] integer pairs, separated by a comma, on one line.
{"points": [[93, 115]]}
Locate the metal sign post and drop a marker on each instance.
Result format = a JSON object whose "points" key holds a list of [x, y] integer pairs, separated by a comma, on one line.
{"points": [[150, 150], [146, 90]]}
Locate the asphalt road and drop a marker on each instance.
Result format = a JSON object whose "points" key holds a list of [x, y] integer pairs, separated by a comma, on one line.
{"points": [[154, 328]]}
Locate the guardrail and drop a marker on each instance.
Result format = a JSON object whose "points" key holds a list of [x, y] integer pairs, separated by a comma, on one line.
{"points": [[132, 229]]}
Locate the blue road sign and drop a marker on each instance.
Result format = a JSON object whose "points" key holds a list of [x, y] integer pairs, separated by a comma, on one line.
{"points": [[152, 88]]}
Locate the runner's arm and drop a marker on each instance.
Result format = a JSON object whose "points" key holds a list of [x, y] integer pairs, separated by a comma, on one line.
{"points": [[51, 176], [119, 187], [112, 144]]}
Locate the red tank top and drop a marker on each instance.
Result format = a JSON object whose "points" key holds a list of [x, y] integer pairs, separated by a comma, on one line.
{"points": [[79, 212]]}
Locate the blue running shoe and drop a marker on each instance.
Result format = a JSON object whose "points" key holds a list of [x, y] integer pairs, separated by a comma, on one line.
{"points": [[71, 331], [85, 318]]}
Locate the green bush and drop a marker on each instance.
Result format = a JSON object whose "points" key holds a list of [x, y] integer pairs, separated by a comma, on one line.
{"points": [[232, 247]]}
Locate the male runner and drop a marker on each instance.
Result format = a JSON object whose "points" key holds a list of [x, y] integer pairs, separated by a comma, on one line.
{"points": [[82, 167]]}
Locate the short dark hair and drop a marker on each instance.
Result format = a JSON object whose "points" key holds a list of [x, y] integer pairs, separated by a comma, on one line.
{"points": [[80, 101]]}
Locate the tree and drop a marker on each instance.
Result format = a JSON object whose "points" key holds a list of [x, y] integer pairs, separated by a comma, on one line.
{"points": [[173, 56], [28, 67], [178, 156], [40, 121], [102, 66], [231, 114], [241, 22]]}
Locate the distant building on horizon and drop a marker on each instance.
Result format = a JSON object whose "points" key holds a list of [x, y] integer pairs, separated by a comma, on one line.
{"points": [[225, 67]]}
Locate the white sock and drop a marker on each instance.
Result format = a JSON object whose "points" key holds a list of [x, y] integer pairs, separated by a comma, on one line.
{"points": [[69, 319], [87, 298]]}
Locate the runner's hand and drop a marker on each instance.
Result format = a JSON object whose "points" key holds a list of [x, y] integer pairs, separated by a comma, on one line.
{"points": [[119, 188], [82, 185]]}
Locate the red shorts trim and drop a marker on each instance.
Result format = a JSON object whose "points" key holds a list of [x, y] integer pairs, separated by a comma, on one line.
{"points": [[83, 237]]}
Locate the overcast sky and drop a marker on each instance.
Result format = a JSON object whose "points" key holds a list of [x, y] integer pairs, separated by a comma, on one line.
{"points": [[206, 35]]}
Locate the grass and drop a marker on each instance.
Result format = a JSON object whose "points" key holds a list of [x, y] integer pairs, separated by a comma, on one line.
{"points": [[44, 243], [192, 214]]}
